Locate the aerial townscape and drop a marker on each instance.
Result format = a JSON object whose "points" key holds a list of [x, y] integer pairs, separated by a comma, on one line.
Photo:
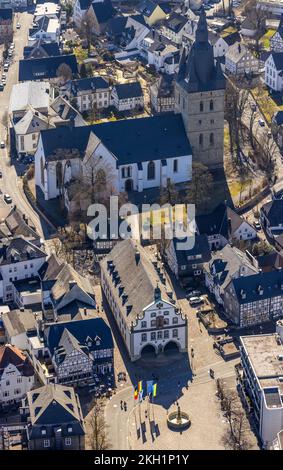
{"points": [[125, 323]]}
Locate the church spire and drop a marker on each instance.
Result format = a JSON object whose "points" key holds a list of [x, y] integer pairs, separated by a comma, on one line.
{"points": [[202, 31]]}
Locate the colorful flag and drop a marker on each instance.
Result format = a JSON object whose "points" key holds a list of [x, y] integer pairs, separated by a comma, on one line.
{"points": [[140, 388], [149, 387], [136, 394], [154, 390], [140, 395]]}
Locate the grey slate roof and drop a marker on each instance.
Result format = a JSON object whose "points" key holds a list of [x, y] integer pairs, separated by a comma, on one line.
{"points": [[201, 247], [175, 22], [271, 284], [18, 249], [151, 138], [278, 60], [54, 405], [138, 278], [80, 332], [103, 10], [128, 90], [147, 7], [225, 263], [45, 68], [6, 14], [273, 210], [198, 72], [41, 49], [88, 84]]}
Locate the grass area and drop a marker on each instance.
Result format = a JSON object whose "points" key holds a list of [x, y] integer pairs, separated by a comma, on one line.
{"points": [[228, 31], [236, 187], [265, 102], [226, 139], [81, 54], [265, 40]]}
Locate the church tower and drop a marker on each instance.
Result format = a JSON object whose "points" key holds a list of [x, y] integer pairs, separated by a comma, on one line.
{"points": [[199, 97]]}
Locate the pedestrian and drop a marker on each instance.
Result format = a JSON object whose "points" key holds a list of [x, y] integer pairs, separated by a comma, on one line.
{"points": [[121, 404]]}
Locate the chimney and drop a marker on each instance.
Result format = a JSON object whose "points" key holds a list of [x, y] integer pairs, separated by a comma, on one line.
{"points": [[72, 283]]}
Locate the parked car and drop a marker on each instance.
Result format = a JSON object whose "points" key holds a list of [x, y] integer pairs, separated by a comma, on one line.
{"points": [[18, 25], [1, 86], [257, 225], [1, 174], [261, 122], [2, 144], [195, 301], [6, 67], [7, 199]]}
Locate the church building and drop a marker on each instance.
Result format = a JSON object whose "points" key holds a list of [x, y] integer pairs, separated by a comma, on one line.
{"points": [[199, 97], [149, 152]]}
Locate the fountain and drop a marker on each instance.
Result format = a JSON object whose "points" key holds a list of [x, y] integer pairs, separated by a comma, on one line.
{"points": [[178, 420]]}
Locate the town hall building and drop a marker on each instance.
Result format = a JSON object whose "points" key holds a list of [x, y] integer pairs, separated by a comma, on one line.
{"points": [[141, 302]]}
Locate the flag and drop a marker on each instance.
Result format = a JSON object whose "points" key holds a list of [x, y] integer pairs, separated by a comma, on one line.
{"points": [[140, 395], [136, 394], [140, 388], [149, 387], [154, 390]]}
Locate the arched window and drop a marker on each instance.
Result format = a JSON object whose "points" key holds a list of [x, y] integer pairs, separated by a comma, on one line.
{"points": [[42, 171], [211, 105], [200, 140], [184, 103], [211, 139], [201, 106], [129, 171], [151, 171], [59, 175]]}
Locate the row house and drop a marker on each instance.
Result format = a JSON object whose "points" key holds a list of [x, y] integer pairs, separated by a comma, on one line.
{"points": [[276, 41], [255, 299], [54, 419], [127, 96], [89, 93], [6, 24], [19, 259], [273, 71], [239, 61], [16, 375], [226, 264]]}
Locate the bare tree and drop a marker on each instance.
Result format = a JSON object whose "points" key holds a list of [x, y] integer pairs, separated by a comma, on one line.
{"points": [[64, 73], [87, 28], [266, 156], [199, 189], [98, 434], [236, 437], [169, 194], [235, 103], [257, 17]]}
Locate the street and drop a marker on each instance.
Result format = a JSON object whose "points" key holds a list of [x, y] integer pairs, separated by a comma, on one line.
{"points": [[11, 183]]}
